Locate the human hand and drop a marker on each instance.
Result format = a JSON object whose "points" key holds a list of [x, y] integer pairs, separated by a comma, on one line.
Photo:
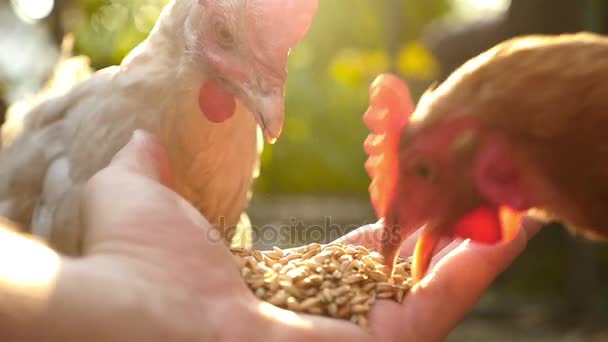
{"points": [[160, 250], [460, 272], [175, 279]]}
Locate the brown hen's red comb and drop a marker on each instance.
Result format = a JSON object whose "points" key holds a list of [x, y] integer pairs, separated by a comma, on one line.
{"points": [[388, 114]]}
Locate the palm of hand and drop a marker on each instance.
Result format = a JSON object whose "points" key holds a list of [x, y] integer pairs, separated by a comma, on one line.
{"points": [[167, 253]]}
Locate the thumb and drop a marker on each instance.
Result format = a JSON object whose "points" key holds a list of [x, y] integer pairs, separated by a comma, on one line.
{"points": [[144, 155]]}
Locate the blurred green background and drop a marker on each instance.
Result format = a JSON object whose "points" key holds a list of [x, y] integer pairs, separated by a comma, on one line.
{"points": [[554, 291]]}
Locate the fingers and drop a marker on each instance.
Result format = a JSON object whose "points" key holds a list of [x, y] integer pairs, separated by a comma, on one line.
{"points": [[370, 236], [146, 156], [459, 276], [284, 325]]}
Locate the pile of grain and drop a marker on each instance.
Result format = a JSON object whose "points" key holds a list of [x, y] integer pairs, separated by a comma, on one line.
{"points": [[335, 280]]}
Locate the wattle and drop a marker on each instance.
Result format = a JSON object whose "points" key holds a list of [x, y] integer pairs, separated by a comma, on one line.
{"points": [[215, 102], [489, 225]]}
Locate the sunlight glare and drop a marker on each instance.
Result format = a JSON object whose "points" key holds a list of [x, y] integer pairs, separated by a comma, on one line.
{"points": [[285, 316], [29, 10], [26, 263], [479, 8]]}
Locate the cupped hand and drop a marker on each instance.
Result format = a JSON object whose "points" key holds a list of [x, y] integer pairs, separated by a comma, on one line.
{"points": [[460, 272], [164, 253]]}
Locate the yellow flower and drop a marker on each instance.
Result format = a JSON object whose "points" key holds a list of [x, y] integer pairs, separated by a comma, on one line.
{"points": [[416, 62]]}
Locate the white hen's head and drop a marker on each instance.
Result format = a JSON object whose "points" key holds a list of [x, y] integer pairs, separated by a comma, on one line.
{"points": [[243, 46]]}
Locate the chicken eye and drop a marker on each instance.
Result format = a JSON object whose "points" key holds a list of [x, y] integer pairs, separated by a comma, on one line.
{"points": [[224, 35], [423, 171]]}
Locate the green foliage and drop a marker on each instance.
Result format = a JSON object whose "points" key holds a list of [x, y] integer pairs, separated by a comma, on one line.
{"points": [[109, 29], [320, 151], [330, 72]]}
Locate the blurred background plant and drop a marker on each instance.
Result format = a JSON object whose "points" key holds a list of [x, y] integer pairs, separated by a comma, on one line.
{"points": [[314, 175]]}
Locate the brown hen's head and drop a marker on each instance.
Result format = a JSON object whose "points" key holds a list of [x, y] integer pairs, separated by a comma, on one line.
{"points": [[450, 165]]}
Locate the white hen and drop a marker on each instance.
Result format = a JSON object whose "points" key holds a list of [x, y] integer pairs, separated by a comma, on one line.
{"points": [[207, 72]]}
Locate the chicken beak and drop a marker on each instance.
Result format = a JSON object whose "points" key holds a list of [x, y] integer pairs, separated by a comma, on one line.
{"points": [[423, 252], [268, 110], [482, 225], [270, 117], [392, 239]]}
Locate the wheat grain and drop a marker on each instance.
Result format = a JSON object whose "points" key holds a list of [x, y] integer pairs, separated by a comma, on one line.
{"points": [[334, 280]]}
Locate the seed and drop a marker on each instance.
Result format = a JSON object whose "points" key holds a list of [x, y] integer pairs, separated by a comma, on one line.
{"points": [[240, 251], [341, 300], [335, 280], [384, 286], [330, 268], [294, 291], [358, 299], [257, 255], [358, 264], [279, 298], [312, 280], [368, 287], [376, 255], [359, 308], [322, 257], [310, 292], [346, 257], [293, 305], [362, 321], [312, 264], [400, 295], [309, 254], [352, 250], [343, 312], [298, 273], [293, 256], [315, 310], [385, 295], [332, 309], [285, 283], [278, 252], [377, 276], [334, 249], [346, 265], [314, 246], [272, 283], [341, 290], [362, 250], [257, 282], [310, 302], [369, 262], [355, 278], [264, 268], [327, 284], [326, 295]]}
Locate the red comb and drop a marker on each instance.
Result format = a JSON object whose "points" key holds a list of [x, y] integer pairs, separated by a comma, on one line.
{"points": [[388, 114], [279, 25]]}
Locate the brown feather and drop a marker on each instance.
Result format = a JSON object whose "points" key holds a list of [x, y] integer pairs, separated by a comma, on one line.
{"points": [[547, 95]]}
